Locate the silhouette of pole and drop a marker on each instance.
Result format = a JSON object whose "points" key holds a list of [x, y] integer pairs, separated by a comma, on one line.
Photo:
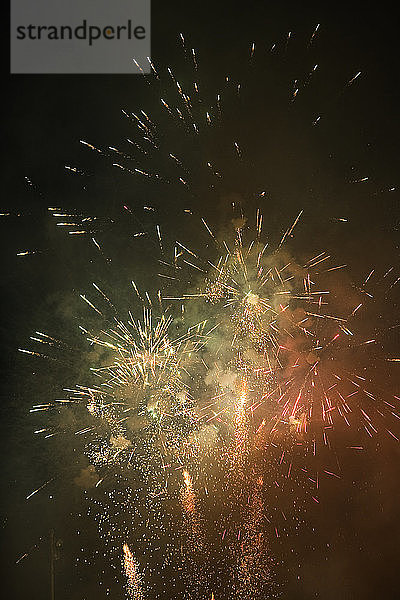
{"points": [[52, 571]]}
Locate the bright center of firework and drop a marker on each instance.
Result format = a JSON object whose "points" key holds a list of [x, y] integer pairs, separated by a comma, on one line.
{"points": [[252, 299], [188, 480], [241, 404], [153, 408]]}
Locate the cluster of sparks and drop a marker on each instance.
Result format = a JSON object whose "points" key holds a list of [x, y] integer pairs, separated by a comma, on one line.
{"points": [[262, 373], [191, 409], [134, 583]]}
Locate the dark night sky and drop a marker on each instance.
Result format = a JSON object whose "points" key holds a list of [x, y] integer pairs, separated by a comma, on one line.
{"points": [[44, 119]]}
